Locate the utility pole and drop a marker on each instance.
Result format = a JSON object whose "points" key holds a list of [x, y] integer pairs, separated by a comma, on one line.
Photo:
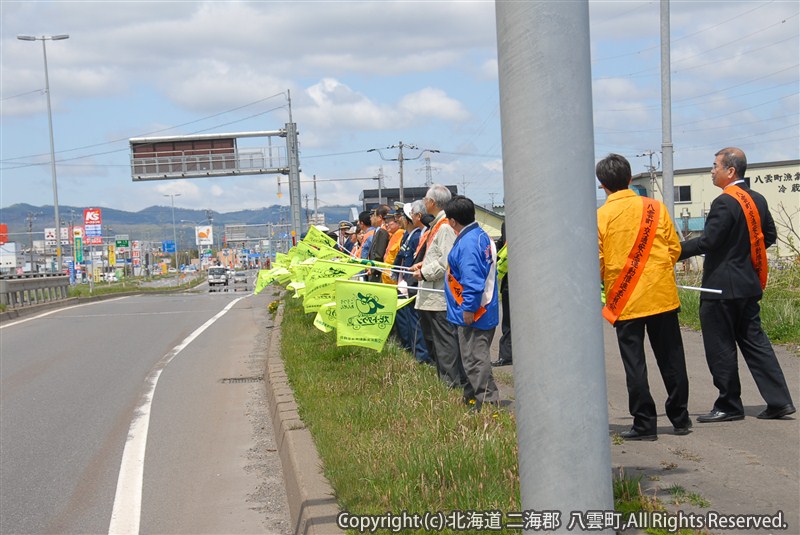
{"points": [[491, 196], [30, 219], [464, 185], [562, 407], [651, 169], [400, 158]]}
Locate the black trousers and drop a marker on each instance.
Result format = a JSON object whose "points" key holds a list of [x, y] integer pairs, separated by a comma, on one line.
{"points": [[505, 325], [664, 333], [727, 323]]}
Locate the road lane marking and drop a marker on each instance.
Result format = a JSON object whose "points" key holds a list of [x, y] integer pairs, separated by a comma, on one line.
{"points": [[127, 511], [4, 325]]}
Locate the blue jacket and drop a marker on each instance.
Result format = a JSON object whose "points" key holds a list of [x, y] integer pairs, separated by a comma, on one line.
{"points": [[405, 256], [473, 263]]}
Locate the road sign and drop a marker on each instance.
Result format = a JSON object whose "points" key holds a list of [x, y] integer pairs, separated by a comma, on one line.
{"points": [[79, 250], [168, 246], [122, 243]]}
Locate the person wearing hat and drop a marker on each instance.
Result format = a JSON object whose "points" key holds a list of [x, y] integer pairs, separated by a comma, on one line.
{"points": [[409, 329], [396, 230], [380, 241], [341, 236]]}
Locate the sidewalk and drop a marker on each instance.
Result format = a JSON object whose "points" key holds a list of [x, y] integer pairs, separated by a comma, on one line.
{"points": [[745, 467]]}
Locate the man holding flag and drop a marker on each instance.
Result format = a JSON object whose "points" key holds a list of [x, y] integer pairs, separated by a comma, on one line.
{"points": [[440, 335], [737, 232], [638, 250]]}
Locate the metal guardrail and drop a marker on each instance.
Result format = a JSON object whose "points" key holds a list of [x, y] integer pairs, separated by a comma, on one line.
{"points": [[23, 290]]}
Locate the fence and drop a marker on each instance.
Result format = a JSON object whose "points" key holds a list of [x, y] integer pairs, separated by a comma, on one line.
{"points": [[22, 290]]}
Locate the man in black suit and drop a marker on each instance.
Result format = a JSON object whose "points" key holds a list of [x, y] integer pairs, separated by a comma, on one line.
{"points": [[738, 230]]}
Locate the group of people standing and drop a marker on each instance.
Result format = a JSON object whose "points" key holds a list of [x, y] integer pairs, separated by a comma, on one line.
{"points": [[450, 264], [639, 247]]}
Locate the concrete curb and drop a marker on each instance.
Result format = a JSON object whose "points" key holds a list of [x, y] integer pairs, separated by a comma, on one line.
{"points": [[312, 505]]}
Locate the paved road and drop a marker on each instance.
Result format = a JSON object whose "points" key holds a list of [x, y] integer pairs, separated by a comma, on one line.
{"points": [[73, 381], [746, 467]]}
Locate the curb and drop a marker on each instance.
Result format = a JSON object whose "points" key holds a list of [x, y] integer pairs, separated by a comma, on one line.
{"points": [[312, 505]]}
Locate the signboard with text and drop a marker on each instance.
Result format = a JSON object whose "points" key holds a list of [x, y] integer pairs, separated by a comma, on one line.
{"points": [[93, 222]]}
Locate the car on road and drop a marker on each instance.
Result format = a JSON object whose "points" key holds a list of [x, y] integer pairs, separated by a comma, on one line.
{"points": [[217, 277], [239, 277]]}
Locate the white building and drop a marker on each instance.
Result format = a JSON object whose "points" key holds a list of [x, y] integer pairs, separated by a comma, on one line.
{"points": [[778, 182]]}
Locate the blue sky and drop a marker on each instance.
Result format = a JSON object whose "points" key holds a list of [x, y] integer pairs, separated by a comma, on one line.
{"points": [[365, 75]]}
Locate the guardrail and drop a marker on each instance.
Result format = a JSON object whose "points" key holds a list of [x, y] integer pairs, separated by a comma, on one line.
{"points": [[23, 290]]}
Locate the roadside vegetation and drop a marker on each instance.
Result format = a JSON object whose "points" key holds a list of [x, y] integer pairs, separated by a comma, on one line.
{"points": [[392, 437], [136, 284], [780, 306]]}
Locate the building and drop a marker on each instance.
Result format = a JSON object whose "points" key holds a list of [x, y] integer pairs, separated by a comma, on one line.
{"points": [[778, 182], [370, 198]]}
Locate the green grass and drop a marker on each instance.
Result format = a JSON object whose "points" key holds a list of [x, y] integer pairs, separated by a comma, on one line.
{"points": [[392, 437], [780, 306], [130, 284]]}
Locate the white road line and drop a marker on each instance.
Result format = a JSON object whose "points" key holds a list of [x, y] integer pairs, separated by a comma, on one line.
{"points": [[126, 514], [4, 325]]}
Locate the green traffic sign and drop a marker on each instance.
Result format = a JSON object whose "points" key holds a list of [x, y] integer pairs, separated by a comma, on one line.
{"points": [[78, 250], [122, 243]]}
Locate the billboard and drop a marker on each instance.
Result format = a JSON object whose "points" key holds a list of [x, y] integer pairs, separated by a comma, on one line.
{"points": [[204, 235]]}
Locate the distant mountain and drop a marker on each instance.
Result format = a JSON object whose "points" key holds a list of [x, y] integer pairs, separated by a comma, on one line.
{"points": [[152, 223]]}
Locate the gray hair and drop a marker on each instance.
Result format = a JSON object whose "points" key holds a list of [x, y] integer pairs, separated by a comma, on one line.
{"points": [[418, 207], [439, 194]]}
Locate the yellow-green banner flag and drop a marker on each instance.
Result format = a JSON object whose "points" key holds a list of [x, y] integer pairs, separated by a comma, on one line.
{"points": [[325, 320], [502, 262], [298, 287], [267, 276], [281, 260], [321, 282], [364, 313], [316, 237]]}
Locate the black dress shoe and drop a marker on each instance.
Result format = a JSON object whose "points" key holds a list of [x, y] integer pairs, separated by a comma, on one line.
{"points": [[719, 416], [502, 362], [771, 413], [636, 435], [684, 430]]}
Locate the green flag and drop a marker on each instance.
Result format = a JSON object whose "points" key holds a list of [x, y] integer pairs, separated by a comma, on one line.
{"points": [[325, 320], [282, 260], [316, 237], [502, 262], [320, 282], [267, 276], [364, 313]]}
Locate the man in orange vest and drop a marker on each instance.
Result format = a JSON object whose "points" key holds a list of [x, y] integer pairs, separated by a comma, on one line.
{"points": [[737, 232], [638, 250]]}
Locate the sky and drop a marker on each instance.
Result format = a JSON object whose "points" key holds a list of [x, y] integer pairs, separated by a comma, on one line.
{"points": [[364, 75]]}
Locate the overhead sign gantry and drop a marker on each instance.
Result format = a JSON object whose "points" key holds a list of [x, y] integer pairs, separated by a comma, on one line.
{"points": [[218, 155]]}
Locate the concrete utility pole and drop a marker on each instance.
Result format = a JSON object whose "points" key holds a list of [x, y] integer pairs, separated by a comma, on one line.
{"points": [[667, 175], [546, 117], [400, 158]]}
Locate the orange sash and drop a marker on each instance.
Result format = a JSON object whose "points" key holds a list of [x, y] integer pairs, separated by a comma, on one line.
{"points": [[422, 241], [457, 290], [622, 289], [758, 252]]}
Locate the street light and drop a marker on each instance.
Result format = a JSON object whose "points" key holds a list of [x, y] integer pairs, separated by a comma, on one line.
{"points": [[174, 234], [52, 145]]}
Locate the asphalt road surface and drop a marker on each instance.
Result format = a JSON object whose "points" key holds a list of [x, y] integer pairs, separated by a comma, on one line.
{"points": [[143, 413]]}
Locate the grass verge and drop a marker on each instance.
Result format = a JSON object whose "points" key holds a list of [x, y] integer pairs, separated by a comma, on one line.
{"points": [[392, 437], [780, 306]]}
